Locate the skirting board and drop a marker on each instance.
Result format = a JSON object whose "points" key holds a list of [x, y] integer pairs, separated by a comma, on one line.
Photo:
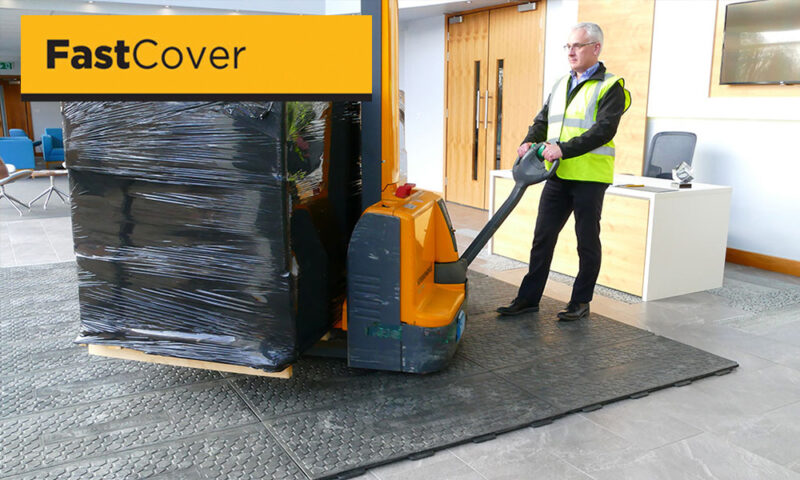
{"points": [[764, 262], [129, 354]]}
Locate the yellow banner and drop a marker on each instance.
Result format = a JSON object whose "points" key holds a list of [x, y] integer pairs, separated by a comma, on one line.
{"points": [[184, 57]]}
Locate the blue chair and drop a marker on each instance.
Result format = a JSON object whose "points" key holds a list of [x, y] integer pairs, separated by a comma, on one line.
{"points": [[58, 136], [17, 151], [52, 152], [18, 132]]}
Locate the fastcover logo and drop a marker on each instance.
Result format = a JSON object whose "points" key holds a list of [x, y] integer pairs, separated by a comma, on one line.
{"points": [[99, 57], [145, 54]]}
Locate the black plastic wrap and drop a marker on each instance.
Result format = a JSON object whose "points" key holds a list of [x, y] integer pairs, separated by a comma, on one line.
{"points": [[212, 231]]}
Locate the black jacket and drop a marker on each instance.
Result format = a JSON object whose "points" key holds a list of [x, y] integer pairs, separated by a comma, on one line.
{"points": [[609, 112]]}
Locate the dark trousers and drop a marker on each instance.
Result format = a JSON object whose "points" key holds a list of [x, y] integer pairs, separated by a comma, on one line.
{"points": [[559, 199]]}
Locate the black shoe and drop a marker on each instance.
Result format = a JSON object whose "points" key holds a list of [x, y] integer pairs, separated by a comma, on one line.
{"points": [[517, 307], [574, 311]]}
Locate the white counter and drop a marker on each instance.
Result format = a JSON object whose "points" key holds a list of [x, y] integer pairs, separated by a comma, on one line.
{"points": [[655, 244]]}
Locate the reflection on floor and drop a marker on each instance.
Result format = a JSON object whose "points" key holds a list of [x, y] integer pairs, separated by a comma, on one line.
{"points": [[743, 425]]}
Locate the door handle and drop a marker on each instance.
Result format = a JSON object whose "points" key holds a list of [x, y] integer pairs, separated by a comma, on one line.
{"points": [[486, 111]]}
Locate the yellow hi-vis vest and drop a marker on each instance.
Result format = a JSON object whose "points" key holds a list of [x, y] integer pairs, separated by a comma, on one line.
{"points": [[565, 122]]}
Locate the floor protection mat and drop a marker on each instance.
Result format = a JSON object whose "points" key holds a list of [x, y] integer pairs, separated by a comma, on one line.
{"points": [[65, 414]]}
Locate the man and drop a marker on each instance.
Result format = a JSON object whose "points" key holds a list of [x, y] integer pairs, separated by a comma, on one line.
{"points": [[579, 121]]}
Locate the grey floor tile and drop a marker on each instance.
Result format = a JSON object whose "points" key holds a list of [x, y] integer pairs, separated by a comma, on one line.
{"points": [[699, 409], [788, 333], [702, 457], [765, 323], [721, 403], [516, 455], [24, 230], [27, 257], [64, 247], [638, 423], [442, 466], [57, 224], [763, 277], [773, 435], [5, 239], [366, 476], [763, 390], [7, 258], [694, 309], [582, 443], [29, 242]]}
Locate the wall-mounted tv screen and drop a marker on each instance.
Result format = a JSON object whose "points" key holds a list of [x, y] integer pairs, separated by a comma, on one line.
{"points": [[762, 42]]}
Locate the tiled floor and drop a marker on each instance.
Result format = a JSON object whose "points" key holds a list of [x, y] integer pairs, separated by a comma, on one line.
{"points": [[744, 425], [39, 235]]}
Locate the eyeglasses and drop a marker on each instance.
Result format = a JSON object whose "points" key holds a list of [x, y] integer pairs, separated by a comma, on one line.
{"points": [[568, 47]]}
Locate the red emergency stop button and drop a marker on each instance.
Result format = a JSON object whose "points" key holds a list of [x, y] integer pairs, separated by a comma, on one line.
{"points": [[404, 191]]}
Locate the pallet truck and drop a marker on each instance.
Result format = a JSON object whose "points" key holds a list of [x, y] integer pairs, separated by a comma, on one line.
{"points": [[406, 285]]}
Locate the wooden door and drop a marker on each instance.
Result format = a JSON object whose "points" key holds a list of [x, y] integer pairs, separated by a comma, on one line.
{"points": [[489, 113], [516, 52], [18, 113], [468, 50]]}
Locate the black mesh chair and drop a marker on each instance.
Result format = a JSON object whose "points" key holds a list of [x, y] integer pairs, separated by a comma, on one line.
{"points": [[667, 151]]}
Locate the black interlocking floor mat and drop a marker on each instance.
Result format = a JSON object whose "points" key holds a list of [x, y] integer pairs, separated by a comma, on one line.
{"points": [[65, 414]]}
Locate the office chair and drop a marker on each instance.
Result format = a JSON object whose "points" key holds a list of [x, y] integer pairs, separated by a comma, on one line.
{"points": [[8, 175], [52, 188], [667, 151]]}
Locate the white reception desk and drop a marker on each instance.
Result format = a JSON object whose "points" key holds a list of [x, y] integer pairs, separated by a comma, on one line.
{"points": [[656, 244]]}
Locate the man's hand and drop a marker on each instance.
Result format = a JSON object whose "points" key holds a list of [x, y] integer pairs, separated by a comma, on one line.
{"points": [[523, 148], [551, 152]]}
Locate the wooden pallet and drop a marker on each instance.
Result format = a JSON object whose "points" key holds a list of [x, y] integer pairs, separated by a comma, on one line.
{"points": [[129, 354]]}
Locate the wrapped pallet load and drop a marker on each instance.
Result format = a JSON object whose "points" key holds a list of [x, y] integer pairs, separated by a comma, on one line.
{"points": [[212, 231]]}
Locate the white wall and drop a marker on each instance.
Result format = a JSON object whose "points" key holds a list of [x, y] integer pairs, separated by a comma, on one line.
{"points": [[748, 143], [422, 79], [45, 115], [342, 7], [562, 15]]}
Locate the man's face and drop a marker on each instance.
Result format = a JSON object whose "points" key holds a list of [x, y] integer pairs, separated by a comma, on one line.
{"points": [[581, 58]]}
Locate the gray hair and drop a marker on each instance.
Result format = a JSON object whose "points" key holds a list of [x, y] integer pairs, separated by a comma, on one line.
{"points": [[593, 31]]}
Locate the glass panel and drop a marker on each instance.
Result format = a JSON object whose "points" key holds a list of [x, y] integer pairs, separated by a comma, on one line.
{"points": [[499, 116], [477, 120]]}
